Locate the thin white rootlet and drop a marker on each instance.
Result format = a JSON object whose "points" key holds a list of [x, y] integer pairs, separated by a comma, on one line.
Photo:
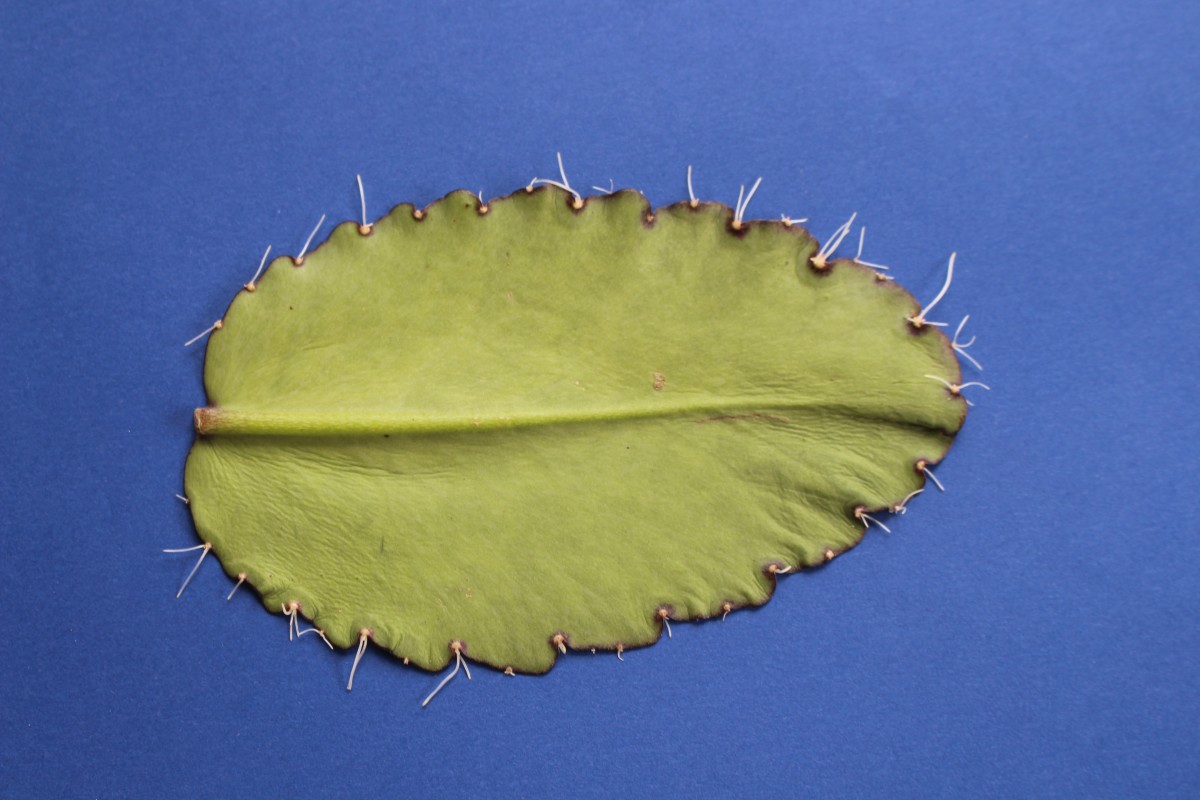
{"points": [[862, 234], [459, 661], [362, 648], [956, 388], [919, 319], [740, 210], [961, 347], [902, 506], [202, 547]]}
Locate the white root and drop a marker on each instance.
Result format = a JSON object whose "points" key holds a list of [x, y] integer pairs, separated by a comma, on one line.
{"points": [[961, 347], [241, 579], [862, 234], [902, 506], [216, 326], [362, 197], [866, 518], [290, 609], [564, 184], [740, 210], [205, 548], [262, 264], [308, 242], [933, 478], [919, 319], [956, 388], [458, 662], [362, 648], [821, 259], [317, 631]]}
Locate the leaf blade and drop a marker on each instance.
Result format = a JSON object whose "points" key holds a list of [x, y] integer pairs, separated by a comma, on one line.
{"points": [[497, 428]]}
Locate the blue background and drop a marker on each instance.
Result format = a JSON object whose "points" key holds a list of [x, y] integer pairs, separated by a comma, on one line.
{"points": [[1032, 632]]}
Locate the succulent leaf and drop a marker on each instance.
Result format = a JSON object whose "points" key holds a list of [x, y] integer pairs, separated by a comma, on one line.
{"points": [[498, 428]]}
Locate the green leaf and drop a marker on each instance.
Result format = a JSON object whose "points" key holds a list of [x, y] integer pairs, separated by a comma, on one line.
{"points": [[495, 428]]}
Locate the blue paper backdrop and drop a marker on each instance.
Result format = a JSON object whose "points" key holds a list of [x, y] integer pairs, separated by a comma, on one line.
{"points": [[1032, 632]]}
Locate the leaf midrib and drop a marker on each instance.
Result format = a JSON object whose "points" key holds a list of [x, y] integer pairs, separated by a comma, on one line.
{"points": [[232, 421]]}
